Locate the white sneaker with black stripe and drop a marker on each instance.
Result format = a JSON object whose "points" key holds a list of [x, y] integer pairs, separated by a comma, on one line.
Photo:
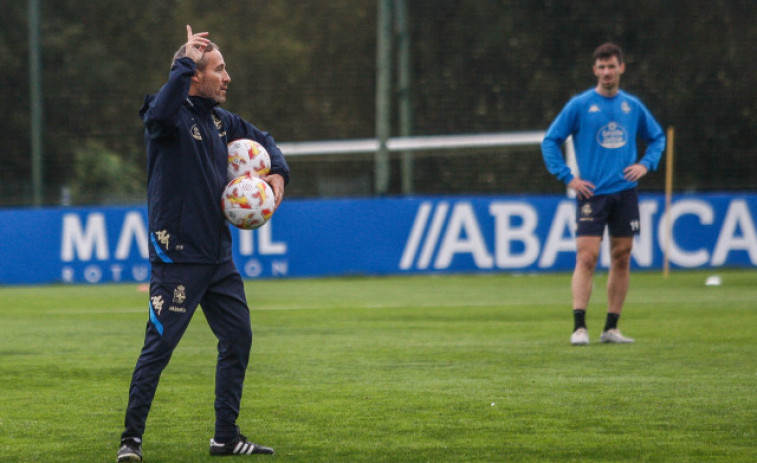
{"points": [[239, 446]]}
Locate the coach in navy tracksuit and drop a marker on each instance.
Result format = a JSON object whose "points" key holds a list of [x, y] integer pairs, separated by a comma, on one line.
{"points": [[186, 133]]}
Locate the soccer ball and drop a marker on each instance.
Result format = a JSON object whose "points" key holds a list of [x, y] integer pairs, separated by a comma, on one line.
{"points": [[248, 202], [247, 157]]}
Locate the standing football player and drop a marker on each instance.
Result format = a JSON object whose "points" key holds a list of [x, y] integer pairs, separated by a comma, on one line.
{"points": [[605, 122], [186, 133]]}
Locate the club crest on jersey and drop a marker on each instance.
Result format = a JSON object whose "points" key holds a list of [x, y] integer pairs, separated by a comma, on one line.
{"points": [[625, 107], [612, 136]]}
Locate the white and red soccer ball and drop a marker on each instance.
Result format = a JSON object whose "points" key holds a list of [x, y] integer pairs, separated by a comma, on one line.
{"points": [[248, 202], [247, 157]]}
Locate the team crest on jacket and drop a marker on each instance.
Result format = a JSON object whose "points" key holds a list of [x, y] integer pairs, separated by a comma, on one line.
{"points": [[195, 131]]}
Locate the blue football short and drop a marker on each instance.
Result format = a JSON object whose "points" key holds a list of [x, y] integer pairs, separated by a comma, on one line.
{"points": [[618, 211]]}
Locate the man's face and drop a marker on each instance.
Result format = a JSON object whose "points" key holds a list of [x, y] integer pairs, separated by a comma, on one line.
{"points": [[213, 81], [608, 72]]}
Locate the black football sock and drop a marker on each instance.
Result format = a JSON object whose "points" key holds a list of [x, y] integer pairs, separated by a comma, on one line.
{"points": [[579, 319], [612, 321]]}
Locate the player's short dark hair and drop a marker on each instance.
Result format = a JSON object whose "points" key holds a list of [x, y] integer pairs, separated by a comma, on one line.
{"points": [[608, 50], [182, 52]]}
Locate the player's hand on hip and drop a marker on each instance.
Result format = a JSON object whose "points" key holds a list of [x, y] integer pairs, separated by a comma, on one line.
{"points": [[634, 172], [196, 44], [277, 184], [583, 188]]}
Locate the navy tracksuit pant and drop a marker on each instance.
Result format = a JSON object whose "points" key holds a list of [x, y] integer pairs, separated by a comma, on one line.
{"points": [[175, 292]]}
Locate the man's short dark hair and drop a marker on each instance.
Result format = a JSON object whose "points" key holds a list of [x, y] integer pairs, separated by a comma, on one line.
{"points": [[608, 50]]}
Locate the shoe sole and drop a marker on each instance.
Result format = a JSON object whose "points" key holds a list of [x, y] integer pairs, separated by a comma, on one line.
{"points": [[129, 458]]}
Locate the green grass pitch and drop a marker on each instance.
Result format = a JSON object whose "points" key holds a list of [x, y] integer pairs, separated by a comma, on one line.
{"points": [[399, 369]]}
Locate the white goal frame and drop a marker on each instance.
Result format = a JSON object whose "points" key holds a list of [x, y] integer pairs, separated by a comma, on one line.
{"points": [[416, 143], [429, 142]]}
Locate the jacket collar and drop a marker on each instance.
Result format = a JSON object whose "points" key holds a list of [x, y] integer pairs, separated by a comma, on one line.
{"points": [[201, 103]]}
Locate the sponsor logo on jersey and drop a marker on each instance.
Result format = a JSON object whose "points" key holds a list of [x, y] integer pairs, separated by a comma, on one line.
{"points": [[612, 136]]}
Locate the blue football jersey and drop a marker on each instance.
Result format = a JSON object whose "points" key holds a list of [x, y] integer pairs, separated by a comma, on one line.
{"points": [[604, 133]]}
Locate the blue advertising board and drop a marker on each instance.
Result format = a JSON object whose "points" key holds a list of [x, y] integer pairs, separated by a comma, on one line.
{"points": [[308, 238]]}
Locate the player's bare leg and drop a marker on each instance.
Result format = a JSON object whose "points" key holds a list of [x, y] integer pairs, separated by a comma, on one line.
{"points": [[620, 274], [617, 287], [587, 253]]}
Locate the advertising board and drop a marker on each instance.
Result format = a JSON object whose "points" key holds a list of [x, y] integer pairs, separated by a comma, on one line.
{"points": [[388, 236]]}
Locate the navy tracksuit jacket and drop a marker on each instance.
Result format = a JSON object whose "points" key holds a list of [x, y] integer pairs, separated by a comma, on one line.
{"points": [[190, 243]]}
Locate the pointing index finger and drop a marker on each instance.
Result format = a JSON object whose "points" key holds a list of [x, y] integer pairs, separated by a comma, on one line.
{"points": [[191, 35]]}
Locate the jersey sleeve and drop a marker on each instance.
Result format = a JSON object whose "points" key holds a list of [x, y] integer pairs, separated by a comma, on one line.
{"points": [[651, 132], [551, 147]]}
